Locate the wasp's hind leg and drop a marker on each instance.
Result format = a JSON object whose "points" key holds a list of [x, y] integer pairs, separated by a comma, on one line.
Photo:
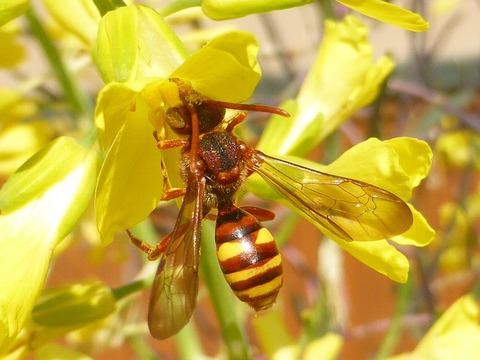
{"points": [[153, 252]]}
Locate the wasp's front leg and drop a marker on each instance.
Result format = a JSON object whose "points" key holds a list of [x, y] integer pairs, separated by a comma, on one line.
{"points": [[153, 252], [170, 193], [169, 143], [235, 120]]}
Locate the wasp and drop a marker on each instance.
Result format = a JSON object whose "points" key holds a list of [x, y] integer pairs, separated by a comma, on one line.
{"points": [[214, 165]]}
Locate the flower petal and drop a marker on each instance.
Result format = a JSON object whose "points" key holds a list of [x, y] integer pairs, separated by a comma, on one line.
{"points": [[459, 148], [26, 248], [134, 42], [129, 186], [42, 171], [380, 256], [389, 13], [419, 234], [374, 162], [114, 102], [328, 347], [414, 156], [456, 332], [226, 69]]}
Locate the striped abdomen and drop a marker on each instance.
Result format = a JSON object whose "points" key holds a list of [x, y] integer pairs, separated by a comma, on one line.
{"points": [[248, 257]]}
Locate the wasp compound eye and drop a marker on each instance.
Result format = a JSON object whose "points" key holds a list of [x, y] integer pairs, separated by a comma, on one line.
{"points": [[175, 119]]}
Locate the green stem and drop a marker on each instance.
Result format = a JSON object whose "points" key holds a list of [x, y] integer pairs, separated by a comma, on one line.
{"points": [[177, 6], [395, 329], [188, 343], [333, 144], [79, 103], [375, 130], [224, 303], [327, 9], [105, 6], [131, 288], [289, 224]]}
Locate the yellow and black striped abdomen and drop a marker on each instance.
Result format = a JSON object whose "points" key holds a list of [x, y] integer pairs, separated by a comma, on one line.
{"points": [[248, 257]]}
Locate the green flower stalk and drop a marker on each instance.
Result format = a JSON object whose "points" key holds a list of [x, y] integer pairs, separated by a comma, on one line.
{"points": [[230, 9]]}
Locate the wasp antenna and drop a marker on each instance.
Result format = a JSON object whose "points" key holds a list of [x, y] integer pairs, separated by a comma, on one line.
{"points": [[248, 107]]}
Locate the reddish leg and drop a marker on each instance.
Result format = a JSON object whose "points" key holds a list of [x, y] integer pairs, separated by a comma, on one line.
{"points": [[170, 143], [259, 213], [235, 120], [170, 193], [154, 252]]}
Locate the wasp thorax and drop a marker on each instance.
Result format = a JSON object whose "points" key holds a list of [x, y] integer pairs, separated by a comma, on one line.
{"points": [[222, 156]]}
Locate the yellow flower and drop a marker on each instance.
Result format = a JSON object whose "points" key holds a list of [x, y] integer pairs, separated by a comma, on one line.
{"points": [[40, 204], [377, 9], [135, 43], [129, 108], [444, 7], [456, 332], [459, 148], [130, 183], [343, 79], [283, 346], [396, 165], [326, 347], [389, 13]]}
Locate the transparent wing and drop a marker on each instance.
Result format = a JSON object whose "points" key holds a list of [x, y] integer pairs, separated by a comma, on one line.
{"points": [[175, 287], [350, 209]]}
